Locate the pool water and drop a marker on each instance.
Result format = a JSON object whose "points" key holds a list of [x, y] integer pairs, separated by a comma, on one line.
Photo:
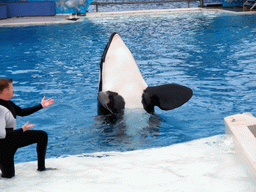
{"points": [[213, 53]]}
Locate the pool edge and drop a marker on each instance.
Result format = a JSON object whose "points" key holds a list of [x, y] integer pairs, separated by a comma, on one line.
{"points": [[61, 18], [237, 126]]}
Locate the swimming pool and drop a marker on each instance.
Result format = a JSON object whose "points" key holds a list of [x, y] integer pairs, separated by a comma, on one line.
{"points": [[213, 53]]}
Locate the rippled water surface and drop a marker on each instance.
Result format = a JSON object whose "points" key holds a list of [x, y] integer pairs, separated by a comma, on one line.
{"points": [[213, 53]]}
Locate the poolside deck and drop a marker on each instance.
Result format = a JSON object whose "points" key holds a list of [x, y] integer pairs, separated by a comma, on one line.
{"points": [[242, 128], [23, 21], [46, 20]]}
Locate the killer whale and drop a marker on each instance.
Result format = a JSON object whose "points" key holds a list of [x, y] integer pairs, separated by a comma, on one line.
{"points": [[121, 84]]}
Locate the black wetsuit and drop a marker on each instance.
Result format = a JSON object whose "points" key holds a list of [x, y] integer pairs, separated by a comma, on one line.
{"points": [[11, 138]]}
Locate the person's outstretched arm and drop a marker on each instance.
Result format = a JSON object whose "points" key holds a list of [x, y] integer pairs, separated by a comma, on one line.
{"points": [[27, 111]]}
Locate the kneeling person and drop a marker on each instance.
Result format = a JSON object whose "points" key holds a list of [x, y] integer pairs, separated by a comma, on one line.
{"points": [[11, 138]]}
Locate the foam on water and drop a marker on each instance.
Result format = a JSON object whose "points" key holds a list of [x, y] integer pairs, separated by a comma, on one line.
{"points": [[207, 165]]}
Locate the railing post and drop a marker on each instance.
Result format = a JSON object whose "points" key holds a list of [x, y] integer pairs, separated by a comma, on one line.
{"points": [[96, 7], [201, 3]]}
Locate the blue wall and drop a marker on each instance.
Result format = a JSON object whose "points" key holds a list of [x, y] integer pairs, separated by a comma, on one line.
{"points": [[232, 3], [43, 7], [3, 11], [18, 8], [26, 8], [39, 8]]}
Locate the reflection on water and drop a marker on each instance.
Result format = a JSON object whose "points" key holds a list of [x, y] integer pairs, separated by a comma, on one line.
{"points": [[213, 53]]}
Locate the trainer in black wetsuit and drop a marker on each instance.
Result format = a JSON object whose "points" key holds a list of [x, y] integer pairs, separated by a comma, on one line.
{"points": [[11, 138]]}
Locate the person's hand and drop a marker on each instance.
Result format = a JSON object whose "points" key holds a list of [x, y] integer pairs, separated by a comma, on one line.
{"points": [[27, 126], [46, 103]]}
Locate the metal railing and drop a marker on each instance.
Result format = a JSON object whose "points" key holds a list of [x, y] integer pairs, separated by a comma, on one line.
{"points": [[141, 2], [249, 4]]}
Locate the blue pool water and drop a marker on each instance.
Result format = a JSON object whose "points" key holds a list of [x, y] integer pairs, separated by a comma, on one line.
{"points": [[213, 53]]}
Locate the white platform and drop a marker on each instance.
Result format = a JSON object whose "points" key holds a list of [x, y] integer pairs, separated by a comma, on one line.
{"points": [[242, 127], [204, 165]]}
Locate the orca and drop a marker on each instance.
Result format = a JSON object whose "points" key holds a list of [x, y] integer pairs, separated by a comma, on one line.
{"points": [[121, 85]]}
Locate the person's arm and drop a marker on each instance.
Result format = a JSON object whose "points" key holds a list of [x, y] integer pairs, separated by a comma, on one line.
{"points": [[2, 125], [27, 111], [5, 117], [24, 128], [30, 110]]}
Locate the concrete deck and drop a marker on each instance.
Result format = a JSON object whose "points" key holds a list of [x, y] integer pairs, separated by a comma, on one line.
{"points": [[242, 127], [23, 21], [58, 19]]}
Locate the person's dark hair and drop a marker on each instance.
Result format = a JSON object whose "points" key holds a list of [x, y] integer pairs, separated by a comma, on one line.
{"points": [[4, 83]]}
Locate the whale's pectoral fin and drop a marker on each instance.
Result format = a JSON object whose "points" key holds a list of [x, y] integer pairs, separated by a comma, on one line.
{"points": [[111, 101], [166, 97]]}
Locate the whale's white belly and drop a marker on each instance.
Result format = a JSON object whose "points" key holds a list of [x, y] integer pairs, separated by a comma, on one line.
{"points": [[122, 75]]}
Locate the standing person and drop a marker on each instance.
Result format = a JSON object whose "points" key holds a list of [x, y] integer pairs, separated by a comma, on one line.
{"points": [[11, 138]]}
